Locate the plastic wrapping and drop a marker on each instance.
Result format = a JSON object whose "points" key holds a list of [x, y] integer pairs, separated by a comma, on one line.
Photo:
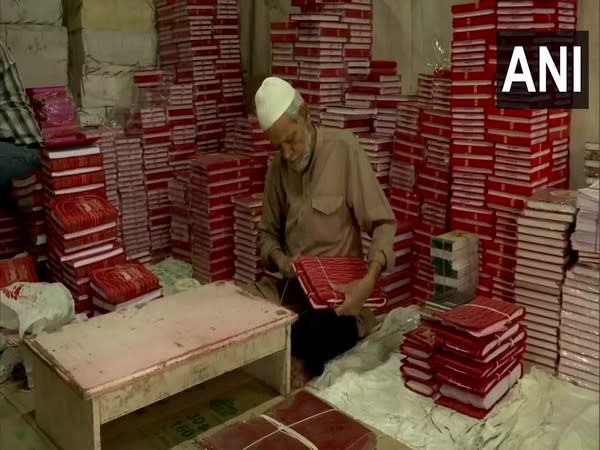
{"points": [[303, 422], [455, 259], [440, 63]]}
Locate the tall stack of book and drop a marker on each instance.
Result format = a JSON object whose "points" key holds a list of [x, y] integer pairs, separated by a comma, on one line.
{"points": [[379, 148], [356, 120], [181, 226], [247, 215], [472, 156], [106, 143], [543, 257], [419, 349], [284, 36], [11, 241], [215, 180], [182, 120], [132, 198]]}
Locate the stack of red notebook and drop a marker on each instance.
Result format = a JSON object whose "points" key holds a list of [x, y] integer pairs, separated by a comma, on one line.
{"points": [[29, 195], [150, 121], [379, 148], [182, 120], [409, 146], [323, 279], [396, 281], [299, 423], [17, 269], [284, 36], [189, 50], [247, 215], [247, 138], [181, 221], [419, 349], [480, 352], [82, 237], [133, 200], [216, 179], [579, 342], [107, 146], [228, 64], [122, 286], [356, 120], [543, 256]]}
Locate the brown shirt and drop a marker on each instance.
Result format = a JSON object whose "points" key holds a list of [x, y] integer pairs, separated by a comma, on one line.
{"points": [[322, 211]]}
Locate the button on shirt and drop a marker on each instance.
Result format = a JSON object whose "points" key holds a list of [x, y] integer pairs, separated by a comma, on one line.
{"points": [[322, 211]]}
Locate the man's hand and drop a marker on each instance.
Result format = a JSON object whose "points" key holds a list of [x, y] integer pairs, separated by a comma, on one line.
{"points": [[357, 294], [284, 263]]}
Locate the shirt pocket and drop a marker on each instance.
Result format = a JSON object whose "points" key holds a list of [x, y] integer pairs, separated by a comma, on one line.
{"points": [[327, 204]]}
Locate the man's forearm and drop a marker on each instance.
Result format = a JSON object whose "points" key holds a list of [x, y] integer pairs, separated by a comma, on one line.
{"points": [[374, 272]]}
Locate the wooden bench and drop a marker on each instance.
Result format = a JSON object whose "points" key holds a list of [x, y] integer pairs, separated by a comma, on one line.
{"points": [[91, 373]]}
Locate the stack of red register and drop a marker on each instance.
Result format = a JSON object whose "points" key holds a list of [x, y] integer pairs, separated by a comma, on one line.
{"points": [[299, 423], [247, 215], [216, 179], [323, 277], [82, 237], [123, 286], [417, 368], [481, 347]]}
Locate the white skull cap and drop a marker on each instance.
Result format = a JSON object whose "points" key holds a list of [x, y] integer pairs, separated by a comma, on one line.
{"points": [[272, 99]]}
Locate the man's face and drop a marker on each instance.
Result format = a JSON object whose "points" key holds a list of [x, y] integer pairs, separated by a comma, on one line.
{"points": [[292, 139]]}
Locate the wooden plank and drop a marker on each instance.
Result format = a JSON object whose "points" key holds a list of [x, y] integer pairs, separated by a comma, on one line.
{"points": [[161, 385], [274, 370], [115, 349], [71, 422]]}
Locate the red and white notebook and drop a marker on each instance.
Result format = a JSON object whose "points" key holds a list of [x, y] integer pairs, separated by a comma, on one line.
{"points": [[17, 269], [73, 214], [483, 316], [321, 277], [122, 283]]}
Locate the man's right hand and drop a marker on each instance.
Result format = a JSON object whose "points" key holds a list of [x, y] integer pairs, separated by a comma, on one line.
{"points": [[284, 263]]}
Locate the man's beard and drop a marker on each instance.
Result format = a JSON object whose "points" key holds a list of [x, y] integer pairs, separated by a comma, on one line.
{"points": [[301, 163]]}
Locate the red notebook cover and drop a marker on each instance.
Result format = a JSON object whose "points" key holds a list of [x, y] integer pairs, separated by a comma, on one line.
{"points": [[483, 316], [423, 336], [319, 275], [82, 212], [17, 269], [293, 425], [124, 282]]}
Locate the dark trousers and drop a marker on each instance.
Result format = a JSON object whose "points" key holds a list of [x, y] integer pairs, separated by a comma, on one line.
{"points": [[318, 335], [15, 161]]}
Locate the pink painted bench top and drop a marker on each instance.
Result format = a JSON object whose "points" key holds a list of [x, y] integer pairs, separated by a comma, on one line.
{"points": [[116, 349]]}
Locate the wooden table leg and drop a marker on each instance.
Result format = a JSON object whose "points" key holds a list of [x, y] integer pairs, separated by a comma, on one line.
{"points": [[274, 370], [71, 422]]}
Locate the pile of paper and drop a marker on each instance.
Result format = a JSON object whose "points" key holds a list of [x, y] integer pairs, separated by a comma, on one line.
{"points": [[579, 345], [455, 259], [123, 286], [592, 162], [543, 256], [480, 352], [396, 280], [132, 198], [181, 232], [247, 215], [216, 179], [82, 237]]}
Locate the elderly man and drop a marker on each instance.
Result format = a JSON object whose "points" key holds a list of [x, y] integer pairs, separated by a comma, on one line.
{"points": [[321, 193], [20, 136]]}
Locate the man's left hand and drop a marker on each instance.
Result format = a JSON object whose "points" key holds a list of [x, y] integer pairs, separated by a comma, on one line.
{"points": [[357, 294]]}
